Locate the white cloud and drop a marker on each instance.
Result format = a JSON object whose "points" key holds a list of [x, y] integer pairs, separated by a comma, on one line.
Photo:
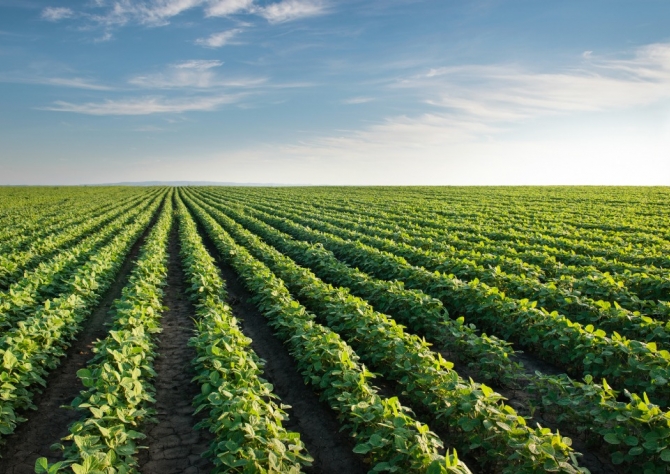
{"points": [[197, 74], [74, 82], [228, 7], [357, 100], [57, 13], [144, 106], [485, 124], [160, 12], [199, 64], [220, 39], [153, 13], [288, 10], [499, 93]]}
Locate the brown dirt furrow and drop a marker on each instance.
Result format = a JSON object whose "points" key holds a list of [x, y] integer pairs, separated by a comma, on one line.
{"points": [[317, 423], [49, 422], [174, 446]]}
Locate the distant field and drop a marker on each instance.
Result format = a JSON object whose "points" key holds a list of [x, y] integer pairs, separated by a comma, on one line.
{"points": [[335, 329]]}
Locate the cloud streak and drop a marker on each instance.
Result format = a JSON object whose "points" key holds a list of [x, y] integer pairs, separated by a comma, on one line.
{"points": [[499, 93], [289, 10], [217, 40], [144, 106], [159, 12], [57, 13], [194, 74], [474, 104]]}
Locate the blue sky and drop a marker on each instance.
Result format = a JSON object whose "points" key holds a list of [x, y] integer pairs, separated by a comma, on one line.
{"points": [[335, 92]]}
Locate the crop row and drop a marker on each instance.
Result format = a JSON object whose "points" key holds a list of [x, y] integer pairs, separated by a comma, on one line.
{"points": [[13, 264], [237, 400], [603, 315], [473, 414], [586, 407], [34, 347], [386, 434], [510, 273], [515, 256], [118, 393], [32, 228], [46, 215], [580, 350], [50, 278], [501, 227]]}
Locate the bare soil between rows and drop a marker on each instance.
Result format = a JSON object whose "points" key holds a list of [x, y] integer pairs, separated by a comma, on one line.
{"points": [[174, 445], [316, 422], [48, 424]]}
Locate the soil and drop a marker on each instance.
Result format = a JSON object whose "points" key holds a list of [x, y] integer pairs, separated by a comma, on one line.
{"points": [[49, 422], [316, 422], [174, 445]]}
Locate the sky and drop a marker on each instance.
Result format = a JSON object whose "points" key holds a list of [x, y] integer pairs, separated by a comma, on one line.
{"points": [[379, 92]]}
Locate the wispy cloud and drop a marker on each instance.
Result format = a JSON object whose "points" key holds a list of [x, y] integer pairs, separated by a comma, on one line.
{"points": [[197, 74], [288, 10], [74, 82], [475, 104], [220, 39], [357, 100], [227, 7], [145, 105], [159, 12], [498, 93], [153, 12], [57, 13]]}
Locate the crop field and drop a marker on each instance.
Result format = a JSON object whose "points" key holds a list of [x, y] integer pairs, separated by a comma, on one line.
{"points": [[334, 330]]}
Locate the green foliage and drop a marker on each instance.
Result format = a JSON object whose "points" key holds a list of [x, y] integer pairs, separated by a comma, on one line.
{"points": [[474, 414], [241, 407], [32, 348], [391, 439], [118, 393]]}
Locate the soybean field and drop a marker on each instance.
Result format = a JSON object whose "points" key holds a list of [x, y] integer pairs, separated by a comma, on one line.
{"points": [[334, 330]]}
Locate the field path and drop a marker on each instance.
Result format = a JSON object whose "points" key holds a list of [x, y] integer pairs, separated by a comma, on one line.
{"points": [[175, 446], [315, 421]]}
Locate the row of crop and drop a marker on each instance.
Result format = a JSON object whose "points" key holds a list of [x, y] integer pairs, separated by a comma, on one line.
{"points": [[563, 293], [233, 394], [523, 210], [647, 282], [491, 221], [50, 278], [601, 243], [35, 227], [603, 315], [587, 407], [473, 414], [631, 290], [34, 347], [489, 356], [588, 280], [559, 216], [14, 264], [580, 350], [45, 213], [385, 432], [118, 393]]}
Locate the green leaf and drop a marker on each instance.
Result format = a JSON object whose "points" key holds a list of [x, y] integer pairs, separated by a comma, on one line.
{"points": [[434, 468], [611, 438], [9, 360], [617, 458], [41, 465], [665, 455], [362, 448]]}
